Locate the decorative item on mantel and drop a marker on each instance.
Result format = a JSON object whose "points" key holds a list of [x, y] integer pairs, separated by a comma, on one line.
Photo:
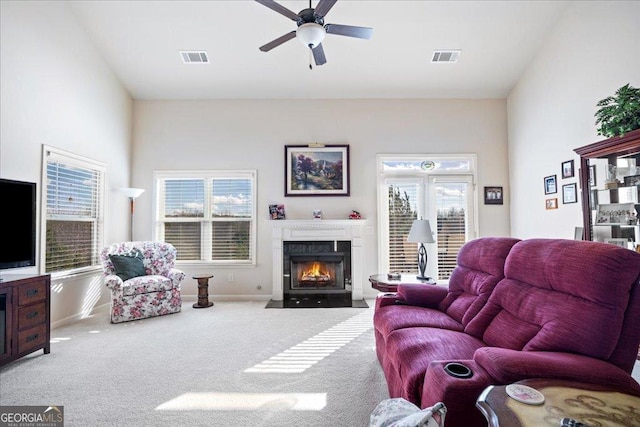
{"points": [[355, 215], [276, 212], [317, 214]]}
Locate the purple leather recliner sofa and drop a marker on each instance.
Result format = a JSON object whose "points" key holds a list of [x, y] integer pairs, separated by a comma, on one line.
{"points": [[514, 309]]}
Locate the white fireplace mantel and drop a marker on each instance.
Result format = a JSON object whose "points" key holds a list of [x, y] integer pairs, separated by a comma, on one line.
{"points": [[318, 229]]}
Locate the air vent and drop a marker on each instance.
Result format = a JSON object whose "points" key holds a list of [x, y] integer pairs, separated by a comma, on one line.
{"points": [[194, 57], [446, 56]]}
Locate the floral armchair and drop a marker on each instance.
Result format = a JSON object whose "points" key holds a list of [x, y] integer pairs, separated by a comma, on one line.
{"points": [[142, 279]]}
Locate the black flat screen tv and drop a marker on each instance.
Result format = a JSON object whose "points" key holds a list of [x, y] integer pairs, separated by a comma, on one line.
{"points": [[18, 224]]}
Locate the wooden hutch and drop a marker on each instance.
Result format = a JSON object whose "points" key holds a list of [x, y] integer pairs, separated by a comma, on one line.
{"points": [[623, 195]]}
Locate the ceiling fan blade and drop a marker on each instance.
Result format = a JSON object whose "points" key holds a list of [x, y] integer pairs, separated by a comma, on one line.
{"points": [[349, 30], [323, 7], [279, 8], [277, 42], [318, 55]]}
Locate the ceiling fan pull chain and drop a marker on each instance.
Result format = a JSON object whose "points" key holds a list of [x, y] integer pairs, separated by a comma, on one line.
{"points": [[310, 58]]}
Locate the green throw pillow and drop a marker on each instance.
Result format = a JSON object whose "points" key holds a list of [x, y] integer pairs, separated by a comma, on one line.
{"points": [[128, 266]]}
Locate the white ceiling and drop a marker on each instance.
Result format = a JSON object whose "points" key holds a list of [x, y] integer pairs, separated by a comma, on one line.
{"points": [[141, 40]]}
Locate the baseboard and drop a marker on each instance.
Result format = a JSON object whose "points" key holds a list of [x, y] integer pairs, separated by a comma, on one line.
{"points": [[229, 297], [99, 309]]}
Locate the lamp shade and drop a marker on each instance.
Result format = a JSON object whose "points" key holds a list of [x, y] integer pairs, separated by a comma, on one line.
{"points": [[310, 34], [132, 192], [420, 232]]}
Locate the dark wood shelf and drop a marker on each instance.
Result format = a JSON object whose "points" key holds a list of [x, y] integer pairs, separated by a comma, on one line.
{"points": [[27, 326]]}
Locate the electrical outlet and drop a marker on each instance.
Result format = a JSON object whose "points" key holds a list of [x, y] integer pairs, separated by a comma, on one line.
{"points": [[230, 277]]}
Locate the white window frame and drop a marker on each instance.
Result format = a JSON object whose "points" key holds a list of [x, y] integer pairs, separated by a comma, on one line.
{"points": [[426, 197], [158, 209], [48, 153]]}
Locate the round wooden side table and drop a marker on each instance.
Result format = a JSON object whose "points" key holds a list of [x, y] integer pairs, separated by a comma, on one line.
{"points": [[203, 292]]}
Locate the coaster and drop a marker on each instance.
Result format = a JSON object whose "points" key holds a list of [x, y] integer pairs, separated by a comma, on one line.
{"points": [[525, 394]]}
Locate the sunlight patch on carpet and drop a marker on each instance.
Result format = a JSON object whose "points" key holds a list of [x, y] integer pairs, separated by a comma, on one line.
{"points": [[211, 401], [304, 355]]}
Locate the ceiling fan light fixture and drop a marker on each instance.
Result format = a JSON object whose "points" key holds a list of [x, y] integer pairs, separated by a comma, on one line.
{"points": [[310, 34]]}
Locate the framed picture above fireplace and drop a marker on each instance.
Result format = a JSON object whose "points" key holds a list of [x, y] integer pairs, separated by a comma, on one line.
{"points": [[316, 170]]}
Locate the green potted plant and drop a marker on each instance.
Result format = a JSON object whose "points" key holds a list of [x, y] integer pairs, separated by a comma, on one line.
{"points": [[619, 114]]}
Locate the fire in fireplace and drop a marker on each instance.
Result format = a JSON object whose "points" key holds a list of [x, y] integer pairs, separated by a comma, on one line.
{"points": [[315, 272], [317, 267], [323, 271]]}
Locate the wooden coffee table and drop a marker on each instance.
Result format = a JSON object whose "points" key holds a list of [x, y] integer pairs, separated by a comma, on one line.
{"points": [[588, 403], [382, 283]]}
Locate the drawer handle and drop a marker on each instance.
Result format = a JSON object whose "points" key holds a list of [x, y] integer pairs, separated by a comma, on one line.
{"points": [[32, 314], [32, 337], [32, 292]]}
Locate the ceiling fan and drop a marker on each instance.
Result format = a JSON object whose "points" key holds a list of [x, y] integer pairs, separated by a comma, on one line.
{"points": [[312, 29]]}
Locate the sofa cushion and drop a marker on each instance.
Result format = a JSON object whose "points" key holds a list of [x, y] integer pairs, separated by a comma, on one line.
{"points": [[146, 284], [480, 267], [389, 318], [560, 295], [128, 265]]}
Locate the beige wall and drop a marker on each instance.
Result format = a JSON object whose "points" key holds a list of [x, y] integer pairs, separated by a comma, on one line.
{"points": [[593, 50], [56, 90], [246, 134]]}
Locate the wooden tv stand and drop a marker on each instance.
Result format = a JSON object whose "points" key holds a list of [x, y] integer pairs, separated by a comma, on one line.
{"points": [[27, 325]]}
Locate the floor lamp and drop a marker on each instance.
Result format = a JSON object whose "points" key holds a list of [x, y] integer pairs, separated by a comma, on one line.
{"points": [[421, 233], [132, 194]]}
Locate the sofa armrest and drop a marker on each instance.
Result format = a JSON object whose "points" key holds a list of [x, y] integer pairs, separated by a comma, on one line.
{"points": [[388, 298], [428, 296], [507, 366], [113, 282], [176, 276]]}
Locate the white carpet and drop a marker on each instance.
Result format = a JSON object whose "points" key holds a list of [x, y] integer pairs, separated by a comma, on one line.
{"points": [[233, 364]]}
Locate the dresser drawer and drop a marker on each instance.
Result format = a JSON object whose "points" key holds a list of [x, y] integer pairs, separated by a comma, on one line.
{"points": [[31, 315], [32, 338], [32, 292]]}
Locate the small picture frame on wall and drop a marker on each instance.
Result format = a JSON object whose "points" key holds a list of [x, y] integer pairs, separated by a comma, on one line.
{"points": [[592, 176], [550, 184], [493, 196], [551, 203], [567, 169], [569, 193]]}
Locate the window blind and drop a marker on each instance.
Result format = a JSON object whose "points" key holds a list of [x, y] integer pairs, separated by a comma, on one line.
{"points": [[73, 207], [210, 218], [403, 207], [451, 203]]}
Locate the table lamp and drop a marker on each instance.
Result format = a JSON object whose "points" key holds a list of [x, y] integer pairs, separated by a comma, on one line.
{"points": [[421, 233]]}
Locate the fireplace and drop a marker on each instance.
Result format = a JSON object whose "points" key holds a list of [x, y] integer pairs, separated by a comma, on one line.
{"points": [[316, 267], [297, 244]]}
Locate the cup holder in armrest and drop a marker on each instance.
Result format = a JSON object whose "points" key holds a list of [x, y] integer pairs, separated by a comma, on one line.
{"points": [[458, 370]]}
